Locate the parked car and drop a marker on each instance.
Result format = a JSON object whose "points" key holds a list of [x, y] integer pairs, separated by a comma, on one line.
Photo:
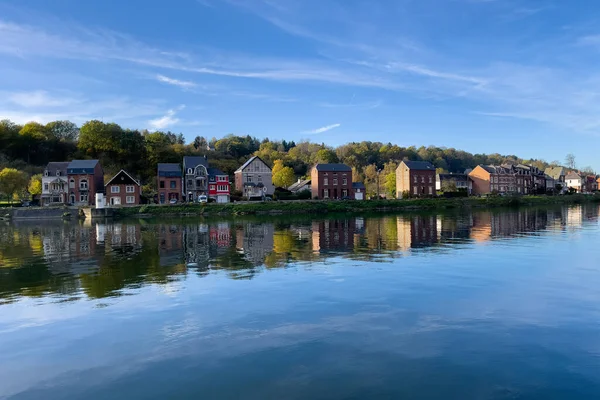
{"points": [[202, 199], [173, 201]]}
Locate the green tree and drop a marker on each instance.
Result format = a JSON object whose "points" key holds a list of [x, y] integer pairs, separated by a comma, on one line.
{"points": [[34, 131], [326, 156], [12, 182], [63, 130], [390, 184], [449, 186], [277, 167], [35, 185]]}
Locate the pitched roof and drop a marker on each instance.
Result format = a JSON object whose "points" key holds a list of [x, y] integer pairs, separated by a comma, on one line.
{"points": [[83, 164], [61, 166], [555, 172], [456, 177], [244, 165], [122, 172], [358, 185], [573, 175], [333, 168], [215, 172], [168, 167], [194, 161], [419, 165], [299, 184]]}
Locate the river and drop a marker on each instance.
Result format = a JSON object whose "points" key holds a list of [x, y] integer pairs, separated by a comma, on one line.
{"points": [[501, 304]]}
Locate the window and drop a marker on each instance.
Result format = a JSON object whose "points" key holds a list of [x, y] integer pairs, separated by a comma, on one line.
{"points": [[72, 183], [325, 193], [161, 184], [46, 173], [335, 181], [422, 179], [173, 184], [344, 181], [260, 178], [430, 190], [57, 173], [249, 178], [416, 179], [345, 193], [430, 179], [190, 183], [115, 189], [222, 188], [130, 199], [83, 184], [325, 181], [130, 189], [45, 186], [416, 190], [212, 187], [190, 171], [83, 197]]}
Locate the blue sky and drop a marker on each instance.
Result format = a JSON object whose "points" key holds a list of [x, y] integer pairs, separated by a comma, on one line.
{"points": [[508, 76]]}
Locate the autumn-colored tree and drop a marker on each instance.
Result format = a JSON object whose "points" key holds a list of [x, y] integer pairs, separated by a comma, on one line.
{"points": [[35, 185], [284, 177], [12, 182]]}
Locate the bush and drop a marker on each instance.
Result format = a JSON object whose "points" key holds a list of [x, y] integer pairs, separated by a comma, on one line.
{"points": [[304, 195]]}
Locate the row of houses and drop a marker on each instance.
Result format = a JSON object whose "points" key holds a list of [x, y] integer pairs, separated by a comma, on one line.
{"points": [[77, 182]]}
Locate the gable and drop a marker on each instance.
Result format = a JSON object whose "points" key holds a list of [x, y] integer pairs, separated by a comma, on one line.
{"points": [[122, 178]]}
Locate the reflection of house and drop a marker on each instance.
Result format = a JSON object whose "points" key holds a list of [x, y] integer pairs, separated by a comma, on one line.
{"points": [[415, 178], [300, 186], [170, 245], [333, 235], [218, 185], [55, 184], [459, 182], [86, 178], [169, 182], [255, 241], [416, 232], [195, 177], [254, 178], [196, 244], [331, 181], [122, 189]]}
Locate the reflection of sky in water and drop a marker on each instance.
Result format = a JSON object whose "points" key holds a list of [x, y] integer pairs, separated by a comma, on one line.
{"points": [[517, 316]]}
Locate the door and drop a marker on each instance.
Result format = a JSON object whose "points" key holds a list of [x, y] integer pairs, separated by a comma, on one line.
{"points": [[115, 201]]}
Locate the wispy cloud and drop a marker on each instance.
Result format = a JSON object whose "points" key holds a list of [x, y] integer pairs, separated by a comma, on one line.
{"points": [[39, 98], [323, 129], [169, 119], [175, 82]]}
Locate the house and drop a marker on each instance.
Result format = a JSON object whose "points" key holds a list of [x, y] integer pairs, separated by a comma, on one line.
{"points": [[558, 174], [195, 177], [358, 188], [417, 178], [494, 179], [168, 178], [55, 184], [575, 181], [300, 186], [86, 178], [218, 185], [461, 182], [123, 189], [550, 183], [590, 184], [331, 181], [254, 178]]}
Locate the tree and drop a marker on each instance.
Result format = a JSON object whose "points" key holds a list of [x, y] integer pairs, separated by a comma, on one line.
{"points": [[570, 161], [449, 186], [277, 167], [390, 184], [284, 177], [34, 131], [588, 170], [200, 143], [63, 130], [12, 182], [35, 185], [326, 156]]}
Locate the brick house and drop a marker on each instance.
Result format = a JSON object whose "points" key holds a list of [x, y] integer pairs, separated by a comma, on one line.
{"points": [[331, 181], [416, 178], [494, 179], [254, 178], [86, 178], [123, 189], [195, 177], [55, 184], [168, 182], [218, 185], [591, 185]]}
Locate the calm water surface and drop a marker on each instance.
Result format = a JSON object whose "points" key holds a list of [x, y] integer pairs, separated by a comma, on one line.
{"points": [[482, 305]]}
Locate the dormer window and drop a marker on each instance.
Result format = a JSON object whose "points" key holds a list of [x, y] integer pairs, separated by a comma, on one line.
{"points": [[57, 173], [46, 173], [190, 171]]}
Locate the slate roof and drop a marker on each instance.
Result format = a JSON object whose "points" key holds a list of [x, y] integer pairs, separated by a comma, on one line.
{"points": [[52, 167], [573, 175], [119, 173], [419, 165], [333, 168], [168, 167], [555, 172], [82, 164], [244, 165], [358, 185], [194, 161], [298, 184], [215, 172]]}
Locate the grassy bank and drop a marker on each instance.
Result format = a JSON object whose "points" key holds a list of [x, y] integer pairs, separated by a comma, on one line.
{"points": [[320, 207]]}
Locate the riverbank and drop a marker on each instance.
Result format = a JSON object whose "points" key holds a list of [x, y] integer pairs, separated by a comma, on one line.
{"points": [[322, 207]]}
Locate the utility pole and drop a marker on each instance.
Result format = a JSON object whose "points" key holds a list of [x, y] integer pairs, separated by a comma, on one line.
{"points": [[378, 196]]}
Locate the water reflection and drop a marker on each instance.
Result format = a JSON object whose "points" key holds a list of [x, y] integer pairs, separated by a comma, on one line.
{"points": [[102, 259]]}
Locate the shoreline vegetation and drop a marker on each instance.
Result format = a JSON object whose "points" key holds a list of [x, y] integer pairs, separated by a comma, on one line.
{"points": [[351, 206]]}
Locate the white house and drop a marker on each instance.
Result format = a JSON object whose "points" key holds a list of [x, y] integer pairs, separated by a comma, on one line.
{"points": [[55, 184]]}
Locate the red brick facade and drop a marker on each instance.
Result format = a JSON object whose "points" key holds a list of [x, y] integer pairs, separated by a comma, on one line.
{"points": [[123, 190], [84, 181], [331, 181], [417, 178]]}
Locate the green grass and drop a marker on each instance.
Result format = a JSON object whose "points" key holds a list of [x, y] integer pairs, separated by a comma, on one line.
{"points": [[320, 207]]}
